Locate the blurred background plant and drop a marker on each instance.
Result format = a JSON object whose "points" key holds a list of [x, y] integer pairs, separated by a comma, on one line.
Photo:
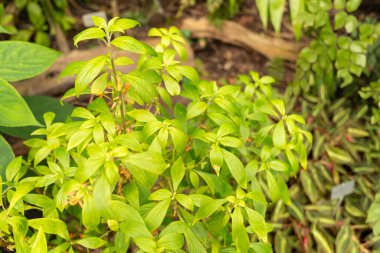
{"points": [[37, 20]]}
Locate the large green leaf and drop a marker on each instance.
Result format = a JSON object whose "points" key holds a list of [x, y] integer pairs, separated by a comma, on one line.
{"points": [[6, 156], [40, 105], [13, 109], [22, 60]]}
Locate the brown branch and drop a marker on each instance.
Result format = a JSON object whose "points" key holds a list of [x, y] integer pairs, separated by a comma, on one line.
{"points": [[236, 34]]}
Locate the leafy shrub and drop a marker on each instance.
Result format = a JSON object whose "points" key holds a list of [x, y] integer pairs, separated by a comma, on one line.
{"points": [[331, 88], [137, 167]]}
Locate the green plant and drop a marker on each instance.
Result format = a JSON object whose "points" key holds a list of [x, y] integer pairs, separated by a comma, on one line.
{"points": [[332, 72], [136, 168], [18, 61], [45, 18]]}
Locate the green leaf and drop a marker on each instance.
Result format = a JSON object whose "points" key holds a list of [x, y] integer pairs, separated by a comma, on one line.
{"points": [[39, 244], [79, 137], [129, 43], [261, 247], [157, 214], [195, 109], [339, 4], [277, 8], [262, 6], [160, 194], [72, 69], [100, 84], [257, 223], [171, 241], [193, 243], [99, 21], [61, 248], [89, 72], [171, 85], [339, 155], [177, 173], [4, 30], [142, 115], [353, 5], [297, 8], [149, 161], [13, 168], [216, 158], [23, 60], [322, 241], [179, 139], [141, 83], [273, 187], [89, 34], [132, 224], [39, 105], [90, 214], [340, 19], [351, 23], [236, 168], [6, 156], [343, 240], [279, 135], [13, 109], [122, 24], [91, 242], [257, 196], [189, 72], [185, 201], [297, 118], [123, 61], [21, 190], [146, 244], [207, 207], [50, 226], [230, 141], [239, 232], [278, 165], [35, 14], [279, 105], [83, 113]]}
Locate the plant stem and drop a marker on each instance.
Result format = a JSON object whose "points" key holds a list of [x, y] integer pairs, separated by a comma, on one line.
{"points": [[121, 98]]}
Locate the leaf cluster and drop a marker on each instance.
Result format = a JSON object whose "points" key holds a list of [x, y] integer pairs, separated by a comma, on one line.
{"points": [[137, 168]]}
